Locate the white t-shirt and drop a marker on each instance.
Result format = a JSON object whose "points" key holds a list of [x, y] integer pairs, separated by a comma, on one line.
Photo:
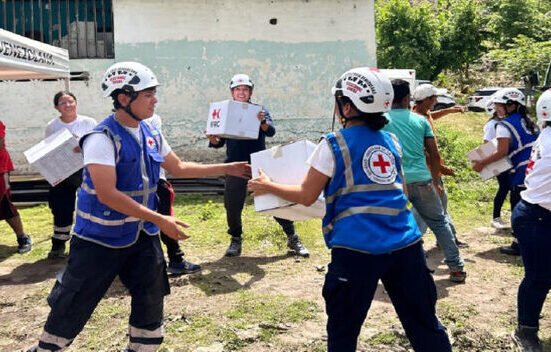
{"points": [[490, 130], [99, 149], [322, 158], [538, 177], [78, 127]]}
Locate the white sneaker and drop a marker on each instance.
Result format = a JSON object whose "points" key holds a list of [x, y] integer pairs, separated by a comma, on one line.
{"points": [[499, 224]]}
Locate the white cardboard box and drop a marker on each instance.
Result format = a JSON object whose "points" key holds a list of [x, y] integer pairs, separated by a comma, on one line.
{"points": [[233, 119], [494, 168], [285, 164], [54, 157]]}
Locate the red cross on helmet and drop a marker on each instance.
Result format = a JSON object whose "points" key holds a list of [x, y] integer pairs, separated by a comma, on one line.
{"points": [[543, 106], [369, 89]]}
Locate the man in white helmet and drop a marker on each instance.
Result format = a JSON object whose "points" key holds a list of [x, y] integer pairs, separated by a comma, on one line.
{"points": [[368, 226], [117, 226], [422, 181], [425, 97], [531, 223], [235, 190]]}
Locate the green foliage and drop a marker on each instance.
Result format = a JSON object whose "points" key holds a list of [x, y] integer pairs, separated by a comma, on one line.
{"points": [[509, 19], [207, 211], [526, 54], [461, 35], [406, 36], [450, 35]]}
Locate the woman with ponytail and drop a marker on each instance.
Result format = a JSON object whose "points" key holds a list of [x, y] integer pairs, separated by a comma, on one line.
{"points": [[515, 135]]}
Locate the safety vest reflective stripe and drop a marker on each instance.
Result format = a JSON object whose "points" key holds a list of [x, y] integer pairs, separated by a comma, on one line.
{"points": [[346, 159], [515, 152], [104, 222], [363, 210], [363, 188], [514, 131], [143, 193]]}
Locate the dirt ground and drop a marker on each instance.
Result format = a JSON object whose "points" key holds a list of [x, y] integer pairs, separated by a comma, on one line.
{"points": [[479, 314]]}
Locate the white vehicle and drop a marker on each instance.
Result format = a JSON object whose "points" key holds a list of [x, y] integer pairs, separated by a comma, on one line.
{"points": [[479, 100]]}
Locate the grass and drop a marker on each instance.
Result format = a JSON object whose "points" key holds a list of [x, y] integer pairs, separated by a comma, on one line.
{"points": [[226, 307]]}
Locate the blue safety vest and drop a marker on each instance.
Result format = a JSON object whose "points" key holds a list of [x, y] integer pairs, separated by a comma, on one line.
{"points": [[520, 147], [366, 208], [137, 169]]}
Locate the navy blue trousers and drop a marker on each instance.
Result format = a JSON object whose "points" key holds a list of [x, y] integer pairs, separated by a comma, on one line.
{"points": [[350, 285], [532, 225], [91, 269]]}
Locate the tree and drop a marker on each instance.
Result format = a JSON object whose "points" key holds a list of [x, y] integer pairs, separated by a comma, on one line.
{"points": [[461, 35], [511, 18], [407, 37]]}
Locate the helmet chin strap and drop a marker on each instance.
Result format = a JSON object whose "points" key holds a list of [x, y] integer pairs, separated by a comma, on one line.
{"points": [[128, 109], [344, 120]]}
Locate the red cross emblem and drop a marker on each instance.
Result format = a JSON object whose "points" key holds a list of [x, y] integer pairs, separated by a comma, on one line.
{"points": [[381, 163], [216, 114]]}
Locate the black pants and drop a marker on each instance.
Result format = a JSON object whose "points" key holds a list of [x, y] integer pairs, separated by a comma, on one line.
{"points": [[90, 271], [350, 285], [235, 191], [165, 193], [61, 200], [501, 194]]}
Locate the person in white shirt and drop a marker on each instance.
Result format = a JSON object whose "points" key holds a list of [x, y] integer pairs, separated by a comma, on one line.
{"points": [[503, 178], [61, 197], [531, 222]]}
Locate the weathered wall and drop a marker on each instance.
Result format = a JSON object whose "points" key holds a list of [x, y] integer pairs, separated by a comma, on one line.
{"points": [[196, 46]]}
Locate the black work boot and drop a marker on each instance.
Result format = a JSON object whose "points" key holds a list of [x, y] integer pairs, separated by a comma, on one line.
{"points": [[526, 339], [234, 250], [294, 244], [513, 249]]}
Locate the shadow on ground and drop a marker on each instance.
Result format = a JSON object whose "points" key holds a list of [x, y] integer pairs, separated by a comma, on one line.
{"points": [[227, 275]]}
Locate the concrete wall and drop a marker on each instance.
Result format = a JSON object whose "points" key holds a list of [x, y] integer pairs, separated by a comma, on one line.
{"points": [[293, 50]]}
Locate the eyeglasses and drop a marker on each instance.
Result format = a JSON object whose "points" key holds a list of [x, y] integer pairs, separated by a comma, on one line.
{"points": [[68, 102]]}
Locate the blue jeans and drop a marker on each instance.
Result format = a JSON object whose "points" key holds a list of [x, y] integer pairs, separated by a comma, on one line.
{"points": [[444, 199], [426, 201], [350, 284], [531, 224]]}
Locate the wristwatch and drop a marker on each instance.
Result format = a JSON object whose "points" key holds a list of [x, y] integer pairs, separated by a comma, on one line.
{"points": [[263, 122]]}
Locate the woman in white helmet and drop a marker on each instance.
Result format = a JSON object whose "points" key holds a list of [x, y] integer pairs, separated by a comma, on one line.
{"points": [[502, 178], [368, 226], [531, 223], [117, 226], [515, 135]]}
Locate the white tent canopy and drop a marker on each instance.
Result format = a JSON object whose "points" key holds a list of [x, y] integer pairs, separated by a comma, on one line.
{"points": [[24, 58]]}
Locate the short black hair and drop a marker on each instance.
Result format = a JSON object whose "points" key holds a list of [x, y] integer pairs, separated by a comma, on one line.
{"points": [[401, 90]]}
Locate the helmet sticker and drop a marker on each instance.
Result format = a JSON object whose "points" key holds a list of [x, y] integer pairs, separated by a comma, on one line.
{"points": [[379, 165]]}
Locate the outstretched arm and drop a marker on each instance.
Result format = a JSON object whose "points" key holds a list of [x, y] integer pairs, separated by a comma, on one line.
{"points": [[187, 169], [305, 193]]}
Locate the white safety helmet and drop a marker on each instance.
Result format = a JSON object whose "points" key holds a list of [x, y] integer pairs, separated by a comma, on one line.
{"points": [[508, 95], [368, 88], [424, 91], [129, 77], [490, 106], [543, 106], [241, 79]]}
